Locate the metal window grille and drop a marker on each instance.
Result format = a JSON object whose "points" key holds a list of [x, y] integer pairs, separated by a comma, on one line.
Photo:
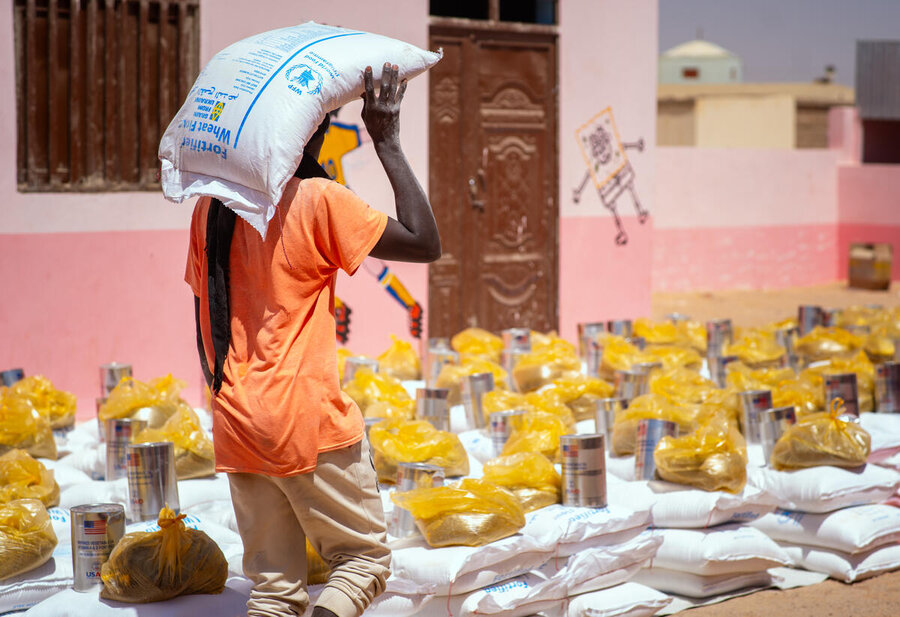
{"points": [[97, 82]]}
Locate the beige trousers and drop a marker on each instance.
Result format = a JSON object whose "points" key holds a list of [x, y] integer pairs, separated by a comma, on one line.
{"points": [[338, 508]]}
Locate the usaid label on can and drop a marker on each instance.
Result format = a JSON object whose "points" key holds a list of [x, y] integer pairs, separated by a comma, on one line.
{"points": [[887, 387], [649, 433], [516, 339], [502, 424], [583, 470], [842, 385], [96, 529]]}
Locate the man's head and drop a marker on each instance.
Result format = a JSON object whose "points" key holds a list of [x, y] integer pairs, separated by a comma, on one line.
{"points": [[314, 145]]}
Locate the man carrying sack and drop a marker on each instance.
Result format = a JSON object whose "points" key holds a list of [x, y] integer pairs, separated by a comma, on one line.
{"points": [[290, 440]]}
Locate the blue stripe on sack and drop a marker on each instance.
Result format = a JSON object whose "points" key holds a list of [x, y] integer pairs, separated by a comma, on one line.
{"points": [[268, 81]]}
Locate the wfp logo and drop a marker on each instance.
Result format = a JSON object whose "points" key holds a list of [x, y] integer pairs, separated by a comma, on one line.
{"points": [[217, 111], [303, 79]]}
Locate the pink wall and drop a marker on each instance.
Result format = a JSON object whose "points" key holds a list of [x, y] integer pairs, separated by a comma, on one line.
{"points": [[607, 57], [744, 218], [869, 197]]}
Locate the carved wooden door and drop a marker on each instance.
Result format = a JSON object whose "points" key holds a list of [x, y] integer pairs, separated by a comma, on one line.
{"points": [[493, 181]]}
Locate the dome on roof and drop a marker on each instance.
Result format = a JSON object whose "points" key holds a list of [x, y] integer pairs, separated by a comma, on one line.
{"points": [[698, 49]]}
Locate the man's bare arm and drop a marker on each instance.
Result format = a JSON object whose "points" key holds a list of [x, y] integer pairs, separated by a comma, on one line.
{"points": [[414, 235]]}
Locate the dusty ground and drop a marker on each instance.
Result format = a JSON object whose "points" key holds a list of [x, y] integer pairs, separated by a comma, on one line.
{"points": [[876, 597], [758, 307]]}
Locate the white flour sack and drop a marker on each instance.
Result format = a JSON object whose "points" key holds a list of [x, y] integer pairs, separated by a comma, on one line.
{"points": [[851, 530], [240, 134]]}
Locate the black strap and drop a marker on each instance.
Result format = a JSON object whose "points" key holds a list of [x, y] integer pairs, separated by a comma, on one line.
{"points": [[219, 230]]}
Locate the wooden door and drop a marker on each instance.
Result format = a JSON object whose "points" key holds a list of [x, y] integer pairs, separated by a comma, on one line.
{"points": [[493, 180]]}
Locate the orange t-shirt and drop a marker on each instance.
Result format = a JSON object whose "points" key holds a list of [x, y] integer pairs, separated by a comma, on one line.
{"points": [[281, 402]]}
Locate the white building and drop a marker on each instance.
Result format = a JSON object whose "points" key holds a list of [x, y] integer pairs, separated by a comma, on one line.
{"points": [[699, 62]]}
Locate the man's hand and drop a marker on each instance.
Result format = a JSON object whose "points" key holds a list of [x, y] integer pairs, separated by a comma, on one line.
{"points": [[381, 114], [413, 236]]}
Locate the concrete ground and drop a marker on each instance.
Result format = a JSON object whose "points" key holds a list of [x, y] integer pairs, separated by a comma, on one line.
{"points": [[876, 597]]}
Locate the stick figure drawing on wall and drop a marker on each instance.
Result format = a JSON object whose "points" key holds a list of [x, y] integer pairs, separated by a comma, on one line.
{"points": [[608, 167]]}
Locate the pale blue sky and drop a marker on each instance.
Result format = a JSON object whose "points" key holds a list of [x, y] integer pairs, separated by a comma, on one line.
{"points": [[782, 40]]}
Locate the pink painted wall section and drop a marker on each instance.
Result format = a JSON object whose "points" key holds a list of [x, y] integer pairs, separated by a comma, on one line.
{"points": [[849, 233], [607, 59], [599, 280], [73, 301], [869, 197], [764, 257], [751, 218], [744, 187]]}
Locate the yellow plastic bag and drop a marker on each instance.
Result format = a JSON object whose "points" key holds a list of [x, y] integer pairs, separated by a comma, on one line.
{"points": [[160, 394], [712, 458], [368, 387], [648, 406], [27, 538], [55, 405], [22, 427], [674, 357], [822, 439], [858, 364], [470, 513], [824, 343], [550, 403], [537, 432], [22, 477], [400, 361], [742, 377], [194, 456], [451, 375], [398, 441], [160, 565], [692, 334], [539, 368], [618, 355], [656, 333], [530, 476], [503, 400], [579, 393], [757, 349], [682, 385], [392, 410], [478, 342], [804, 396], [317, 571]]}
